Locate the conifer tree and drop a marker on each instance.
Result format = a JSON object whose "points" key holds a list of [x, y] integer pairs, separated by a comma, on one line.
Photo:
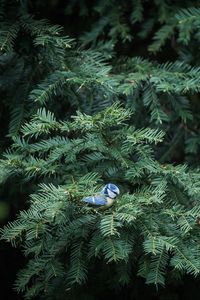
{"points": [[84, 109]]}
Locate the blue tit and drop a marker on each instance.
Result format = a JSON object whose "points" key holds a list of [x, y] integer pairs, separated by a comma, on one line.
{"points": [[106, 197]]}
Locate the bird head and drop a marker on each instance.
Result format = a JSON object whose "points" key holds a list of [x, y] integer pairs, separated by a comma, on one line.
{"points": [[110, 190]]}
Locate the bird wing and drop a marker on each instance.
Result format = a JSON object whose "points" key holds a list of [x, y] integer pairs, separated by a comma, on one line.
{"points": [[95, 200]]}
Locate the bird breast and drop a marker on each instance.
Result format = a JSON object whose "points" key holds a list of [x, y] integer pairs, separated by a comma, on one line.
{"points": [[109, 201]]}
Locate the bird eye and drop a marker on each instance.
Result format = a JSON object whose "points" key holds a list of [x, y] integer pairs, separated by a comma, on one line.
{"points": [[115, 193]]}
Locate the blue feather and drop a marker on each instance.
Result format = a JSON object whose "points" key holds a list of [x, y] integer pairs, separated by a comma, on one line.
{"points": [[95, 200]]}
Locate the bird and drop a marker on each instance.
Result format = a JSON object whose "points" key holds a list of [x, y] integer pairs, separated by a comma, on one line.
{"points": [[106, 197]]}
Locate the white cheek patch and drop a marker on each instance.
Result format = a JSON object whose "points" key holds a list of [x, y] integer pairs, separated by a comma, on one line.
{"points": [[117, 190], [111, 194]]}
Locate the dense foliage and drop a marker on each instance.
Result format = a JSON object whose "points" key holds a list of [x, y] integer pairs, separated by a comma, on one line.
{"points": [[108, 95]]}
